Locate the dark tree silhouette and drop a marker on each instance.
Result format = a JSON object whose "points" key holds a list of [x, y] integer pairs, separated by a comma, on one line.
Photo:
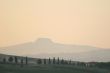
{"points": [[4, 60], [21, 62], [16, 59], [44, 61], [70, 62], [39, 61], [10, 59], [26, 60], [65, 62], [58, 61], [49, 61], [54, 61], [62, 61]]}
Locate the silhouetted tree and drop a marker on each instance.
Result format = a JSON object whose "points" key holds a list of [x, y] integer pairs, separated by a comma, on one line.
{"points": [[10, 59], [65, 62], [39, 61], [62, 61], [54, 61], [49, 61], [44, 61], [16, 59], [26, 60], [58, 61], [21, 62], [70, 62], [4, 60]]}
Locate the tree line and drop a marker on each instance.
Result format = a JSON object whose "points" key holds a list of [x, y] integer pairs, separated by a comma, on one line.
{"points": [[25, 60], [54, 61]]}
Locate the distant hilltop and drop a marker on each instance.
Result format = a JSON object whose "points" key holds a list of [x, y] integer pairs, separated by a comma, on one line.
{"points": [[44, 47]]}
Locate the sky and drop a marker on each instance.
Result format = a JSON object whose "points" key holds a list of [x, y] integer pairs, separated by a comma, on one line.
{"points": [[82, 22]]}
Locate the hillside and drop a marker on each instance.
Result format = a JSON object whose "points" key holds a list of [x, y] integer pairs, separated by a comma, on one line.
{"points": [[49, 69], [45, 47]]}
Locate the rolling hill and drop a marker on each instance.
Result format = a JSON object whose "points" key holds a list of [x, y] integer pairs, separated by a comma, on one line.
{"points": [[44, 47]]}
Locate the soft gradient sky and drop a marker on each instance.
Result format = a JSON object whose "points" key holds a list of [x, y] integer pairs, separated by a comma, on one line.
{"points": [[83, 22]]}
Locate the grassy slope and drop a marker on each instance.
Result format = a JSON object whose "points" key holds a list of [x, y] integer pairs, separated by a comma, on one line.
{"points": [[48, 69]]}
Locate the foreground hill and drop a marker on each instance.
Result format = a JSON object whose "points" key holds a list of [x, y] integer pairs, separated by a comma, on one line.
{"points": [[48, 69]]}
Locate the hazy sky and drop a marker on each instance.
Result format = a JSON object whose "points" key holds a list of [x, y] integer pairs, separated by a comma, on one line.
{"points": [[84, 22]]}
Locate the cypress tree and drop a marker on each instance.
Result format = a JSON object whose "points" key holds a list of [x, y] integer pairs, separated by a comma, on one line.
{"points": [[22, 62], [70, 62], [62, 61], [26, 60], [39, 61], [10, 59], [58, 61], [49, 61], [16, 59], [54, 61], [44, 61], [4, 60]]}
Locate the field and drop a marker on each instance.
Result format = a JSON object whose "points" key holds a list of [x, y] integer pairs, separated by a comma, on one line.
{"points": [[9, 68]]}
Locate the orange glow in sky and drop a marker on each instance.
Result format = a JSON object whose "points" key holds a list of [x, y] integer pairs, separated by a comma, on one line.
{"points": [[84, 22]]}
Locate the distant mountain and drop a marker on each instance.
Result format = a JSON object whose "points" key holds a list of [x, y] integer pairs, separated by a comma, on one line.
{"points": [[44, 47]]}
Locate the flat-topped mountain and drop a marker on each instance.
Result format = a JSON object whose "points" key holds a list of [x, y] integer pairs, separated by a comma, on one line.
{"points": [[45, 47]]}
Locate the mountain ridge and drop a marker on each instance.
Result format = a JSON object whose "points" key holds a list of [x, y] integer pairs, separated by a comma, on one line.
{"points": [[47, 46]]}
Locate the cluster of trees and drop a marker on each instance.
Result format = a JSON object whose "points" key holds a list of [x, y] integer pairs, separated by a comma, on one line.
{"points": [[53, 61], [16, 60]]}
